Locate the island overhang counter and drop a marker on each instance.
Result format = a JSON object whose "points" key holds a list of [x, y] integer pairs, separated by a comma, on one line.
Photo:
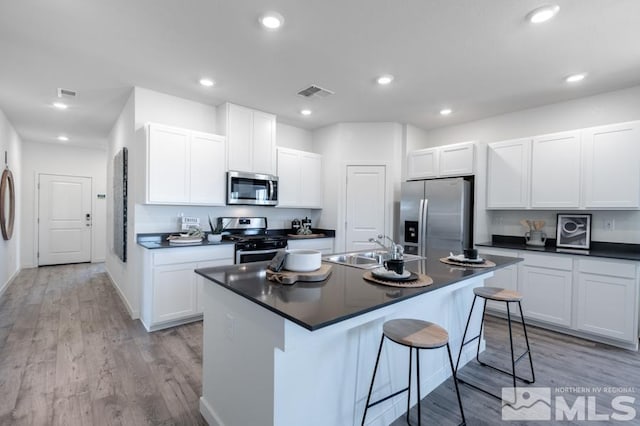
{"points": [[278, 354]]}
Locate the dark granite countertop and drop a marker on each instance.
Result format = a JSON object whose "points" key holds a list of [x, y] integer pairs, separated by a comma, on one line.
{"points": [[598, 249], [159, 241], [345, 294]]}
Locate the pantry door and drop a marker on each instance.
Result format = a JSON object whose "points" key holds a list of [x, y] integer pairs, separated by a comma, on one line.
{"points": [[366, 205], [64, 219]]}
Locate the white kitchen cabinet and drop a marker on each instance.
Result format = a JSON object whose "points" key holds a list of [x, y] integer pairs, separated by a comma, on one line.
{"points": [[324, 245], [299, 179], [508, 174], [171, 290], [184, 166], [457, 159], [546, 286], [612, 168], [422, 164], [607, 299], [251, 138], [447, 160], [555, 170], [506, 277]]}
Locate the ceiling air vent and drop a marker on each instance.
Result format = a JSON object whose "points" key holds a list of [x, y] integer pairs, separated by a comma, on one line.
{"points": [[314, 91], [66, 93]]}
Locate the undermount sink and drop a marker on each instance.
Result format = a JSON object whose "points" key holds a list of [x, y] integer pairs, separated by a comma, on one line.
{"points": [[365, 259]]}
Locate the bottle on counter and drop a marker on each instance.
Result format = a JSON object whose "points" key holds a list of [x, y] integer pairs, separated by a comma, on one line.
{"points": [[295, 225]]}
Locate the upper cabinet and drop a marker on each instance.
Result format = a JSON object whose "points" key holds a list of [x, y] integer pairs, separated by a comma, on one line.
{"points": [[299, 179], [508, 174], [448, 160], [184, 166], [555, 170], [594, 168], [251, 138], [612, 166]]}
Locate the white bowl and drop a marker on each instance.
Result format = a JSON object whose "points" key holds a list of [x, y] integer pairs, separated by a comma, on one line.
{"points": [[303, 260]]}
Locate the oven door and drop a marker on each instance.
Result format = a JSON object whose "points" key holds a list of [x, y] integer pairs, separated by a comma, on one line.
{"points": [[249, 256], [252, 189]]}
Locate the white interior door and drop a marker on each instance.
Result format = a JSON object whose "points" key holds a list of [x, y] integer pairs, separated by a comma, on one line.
{"points": [[366, 205], [64, 230]]}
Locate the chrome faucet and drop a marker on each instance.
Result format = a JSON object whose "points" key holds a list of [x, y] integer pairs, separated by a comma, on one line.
{"points": [[396, 250]]}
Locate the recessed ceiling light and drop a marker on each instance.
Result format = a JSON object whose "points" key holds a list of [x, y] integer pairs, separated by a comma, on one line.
{"points": [[446, 111], [574, 78], [543, 14], [60, 105], [272, 20], [206, 82], [63, 138], [383, 80], [305, 112]]}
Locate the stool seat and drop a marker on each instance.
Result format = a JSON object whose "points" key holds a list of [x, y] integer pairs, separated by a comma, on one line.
{"points": [[415, 333], [499, 294]]}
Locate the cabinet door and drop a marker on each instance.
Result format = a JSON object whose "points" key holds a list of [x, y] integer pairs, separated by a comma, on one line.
{"points": [[264, 142], [508, 174], [606, 306], [239, 137], [555, 170], [208, 170], [310, 180], [546, 294], [174, 292], [288, 178], [422, 164], [167, 165], [612, 169], [457, 159]]}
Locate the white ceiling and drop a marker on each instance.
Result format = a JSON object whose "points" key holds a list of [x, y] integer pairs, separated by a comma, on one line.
{"points": [[481, 58]]}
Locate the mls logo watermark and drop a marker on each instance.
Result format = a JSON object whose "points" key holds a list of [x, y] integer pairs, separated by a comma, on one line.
{"points": [[568, 403]]}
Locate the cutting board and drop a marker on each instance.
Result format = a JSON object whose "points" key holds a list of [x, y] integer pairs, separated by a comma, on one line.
{"points": [[290, 277], [305, 236]]}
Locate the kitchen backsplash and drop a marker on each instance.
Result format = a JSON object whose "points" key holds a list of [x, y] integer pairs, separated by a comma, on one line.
{"points": [[152, 218], [625, 223]]}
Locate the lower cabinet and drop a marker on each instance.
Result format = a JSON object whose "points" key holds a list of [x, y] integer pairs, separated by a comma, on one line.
{"points": [[172, 292], [607, 295], [592, 297], [324, 245]]}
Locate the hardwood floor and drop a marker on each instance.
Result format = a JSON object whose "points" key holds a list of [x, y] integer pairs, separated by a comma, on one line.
{"points": [[70, 355]]}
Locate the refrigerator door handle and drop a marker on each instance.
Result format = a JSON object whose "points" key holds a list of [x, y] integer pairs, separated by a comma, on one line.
{"points": [[422, 228]]}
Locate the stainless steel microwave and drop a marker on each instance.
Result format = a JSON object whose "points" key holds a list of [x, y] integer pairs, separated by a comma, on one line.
{"points": [[252, 189]]}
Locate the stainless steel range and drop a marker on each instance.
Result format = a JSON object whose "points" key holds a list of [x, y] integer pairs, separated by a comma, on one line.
{"points": [[252, 242]]}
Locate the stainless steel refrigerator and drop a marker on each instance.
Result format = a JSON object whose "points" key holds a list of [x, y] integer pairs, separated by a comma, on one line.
{"points": [[436, 216]]}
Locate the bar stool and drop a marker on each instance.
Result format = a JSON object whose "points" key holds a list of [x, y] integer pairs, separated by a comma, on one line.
{"points": [[506, 296], [416, 334]]}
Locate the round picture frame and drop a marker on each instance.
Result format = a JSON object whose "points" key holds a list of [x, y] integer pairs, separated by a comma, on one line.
{"points": [[7, 195]]}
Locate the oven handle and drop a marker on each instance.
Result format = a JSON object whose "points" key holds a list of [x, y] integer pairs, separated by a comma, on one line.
{"points": [[241, 252]]}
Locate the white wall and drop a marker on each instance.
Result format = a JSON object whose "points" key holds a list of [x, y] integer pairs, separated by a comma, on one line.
{"points": [[605, 108], [356, 143], [122, 274], [58, 159], [294, 137], [10, 250]]}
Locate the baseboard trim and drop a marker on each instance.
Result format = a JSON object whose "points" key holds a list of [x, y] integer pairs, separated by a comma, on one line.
{"points": [[133, 313], [209, 414], [6, 285]]}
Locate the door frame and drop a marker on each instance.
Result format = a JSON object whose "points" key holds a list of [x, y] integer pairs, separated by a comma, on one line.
{"points": [[36, 215], [341, 229]]}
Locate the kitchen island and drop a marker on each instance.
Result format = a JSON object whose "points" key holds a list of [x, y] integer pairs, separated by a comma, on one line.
{"points": [[304, 354]]}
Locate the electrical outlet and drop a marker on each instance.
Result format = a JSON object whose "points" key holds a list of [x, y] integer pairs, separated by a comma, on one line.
{"points": [[609, 224], [230, 327]]}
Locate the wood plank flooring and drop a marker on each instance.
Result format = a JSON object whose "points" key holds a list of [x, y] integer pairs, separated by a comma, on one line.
{"points": [[70, 355]]}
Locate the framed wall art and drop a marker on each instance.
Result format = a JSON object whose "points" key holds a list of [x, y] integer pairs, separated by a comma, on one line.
{"points": [[574, 231], [120, 204]]}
